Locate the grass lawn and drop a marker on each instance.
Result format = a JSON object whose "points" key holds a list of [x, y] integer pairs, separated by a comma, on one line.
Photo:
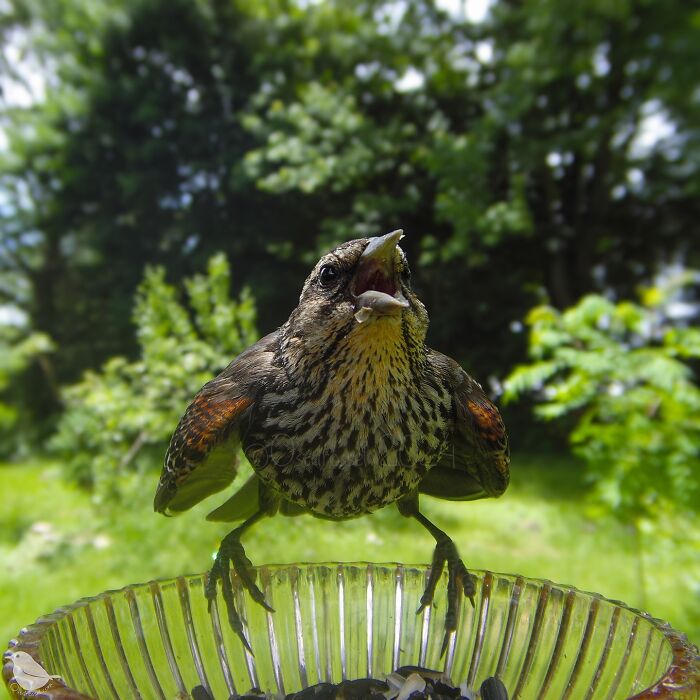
{"points": [[56, 547]]}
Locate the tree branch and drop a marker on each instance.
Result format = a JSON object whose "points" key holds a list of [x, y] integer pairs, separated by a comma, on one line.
{"points": [[136, 445]]}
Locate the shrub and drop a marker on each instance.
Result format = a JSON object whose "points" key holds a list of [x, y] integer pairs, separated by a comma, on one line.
{"points": [[621, 375], [119, 420]]}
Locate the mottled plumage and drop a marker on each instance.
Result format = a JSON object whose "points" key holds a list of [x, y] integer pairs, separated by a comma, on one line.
{"points": [[341, 411]]}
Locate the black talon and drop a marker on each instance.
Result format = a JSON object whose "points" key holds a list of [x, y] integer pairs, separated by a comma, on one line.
{"points": [[436, 568], [232, 549], [220, 571], [459, 579], [232, 554]]}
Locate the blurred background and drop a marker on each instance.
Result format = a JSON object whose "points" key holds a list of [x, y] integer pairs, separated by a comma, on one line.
{"points": [[171, 169]]}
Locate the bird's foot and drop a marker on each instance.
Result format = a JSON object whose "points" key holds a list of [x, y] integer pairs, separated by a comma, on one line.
{"points": [[231, 553], [459, 581]]}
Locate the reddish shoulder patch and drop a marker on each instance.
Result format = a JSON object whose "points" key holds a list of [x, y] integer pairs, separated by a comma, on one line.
{"points": [[208, 420], [487, 419]]}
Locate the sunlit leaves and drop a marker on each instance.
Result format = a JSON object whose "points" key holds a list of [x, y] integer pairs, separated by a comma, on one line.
{"points": [[121, 417], [620, 372], [321, 140], [508, 150]]}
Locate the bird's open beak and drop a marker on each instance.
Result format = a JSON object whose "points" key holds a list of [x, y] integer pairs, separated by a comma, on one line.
{"points": [[375, 286]]}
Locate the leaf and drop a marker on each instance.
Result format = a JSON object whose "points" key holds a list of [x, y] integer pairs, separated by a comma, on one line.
{"points": [[131, 407], [631, 405]]}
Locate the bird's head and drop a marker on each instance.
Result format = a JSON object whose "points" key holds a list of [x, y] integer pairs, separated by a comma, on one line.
{"points": [[21, 659], [360, 290]]}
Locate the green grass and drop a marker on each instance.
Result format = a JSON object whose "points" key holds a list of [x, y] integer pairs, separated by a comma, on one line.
{"points": [[56, 546]]}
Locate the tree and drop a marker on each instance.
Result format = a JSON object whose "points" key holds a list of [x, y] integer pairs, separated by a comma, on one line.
{"points": [[515, 153], [131, 159], [519, 155]]}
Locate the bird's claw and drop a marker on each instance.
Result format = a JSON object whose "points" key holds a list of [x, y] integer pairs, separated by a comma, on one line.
{"points": [[220, 572], [231, 553], [458, 579], [246, 572]]}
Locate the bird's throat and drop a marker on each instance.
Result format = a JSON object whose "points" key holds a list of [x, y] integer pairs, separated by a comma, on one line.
{"points": [[372, 363]]}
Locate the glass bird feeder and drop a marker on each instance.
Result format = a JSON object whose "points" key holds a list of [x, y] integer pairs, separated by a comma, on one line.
{"points": [[334, 622]]}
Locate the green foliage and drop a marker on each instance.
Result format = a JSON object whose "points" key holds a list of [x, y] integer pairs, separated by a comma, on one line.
{"points": [[319, 141], [620, 373], [272, 129], [518, 153], [120, 418]]}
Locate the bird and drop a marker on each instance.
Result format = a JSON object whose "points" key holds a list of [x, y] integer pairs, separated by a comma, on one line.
{"points": [[29, 674], [341, 411]]}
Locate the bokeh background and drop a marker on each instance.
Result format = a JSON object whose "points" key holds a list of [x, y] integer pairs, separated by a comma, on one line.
{"points": [[170, 170]]}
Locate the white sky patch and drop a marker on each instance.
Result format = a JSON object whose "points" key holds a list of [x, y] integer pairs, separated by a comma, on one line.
{"points": [[618, 192], [583, 80], [389, 16], [635, 177], [484, 51], [554, 159], [31, 88], [600, 62], [412, 79], [474, 11], [655, 126], [12, 316]]}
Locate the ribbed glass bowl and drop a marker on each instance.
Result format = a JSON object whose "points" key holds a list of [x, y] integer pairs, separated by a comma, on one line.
{"points": [[345, 621]]}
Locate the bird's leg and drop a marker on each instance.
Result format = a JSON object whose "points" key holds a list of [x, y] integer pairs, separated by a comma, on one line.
{"points": [[231, 553], [459, 579]]}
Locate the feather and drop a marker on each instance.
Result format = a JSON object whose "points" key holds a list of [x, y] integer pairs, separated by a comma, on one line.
{"points": [[202, 458], [477, 466]]}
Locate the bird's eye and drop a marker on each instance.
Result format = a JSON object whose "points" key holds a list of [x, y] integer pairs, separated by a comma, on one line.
{"points": [[329, 275]]}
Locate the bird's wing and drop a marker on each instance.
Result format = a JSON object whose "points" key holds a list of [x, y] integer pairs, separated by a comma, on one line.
{"points": [[477, 465], [203, 454]]}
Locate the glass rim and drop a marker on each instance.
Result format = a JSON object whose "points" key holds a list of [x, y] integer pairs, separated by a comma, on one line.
{"points": [[682, 676]]}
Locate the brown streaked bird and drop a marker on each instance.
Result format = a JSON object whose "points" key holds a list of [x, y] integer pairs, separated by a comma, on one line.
{"points": [[341, 411]]}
